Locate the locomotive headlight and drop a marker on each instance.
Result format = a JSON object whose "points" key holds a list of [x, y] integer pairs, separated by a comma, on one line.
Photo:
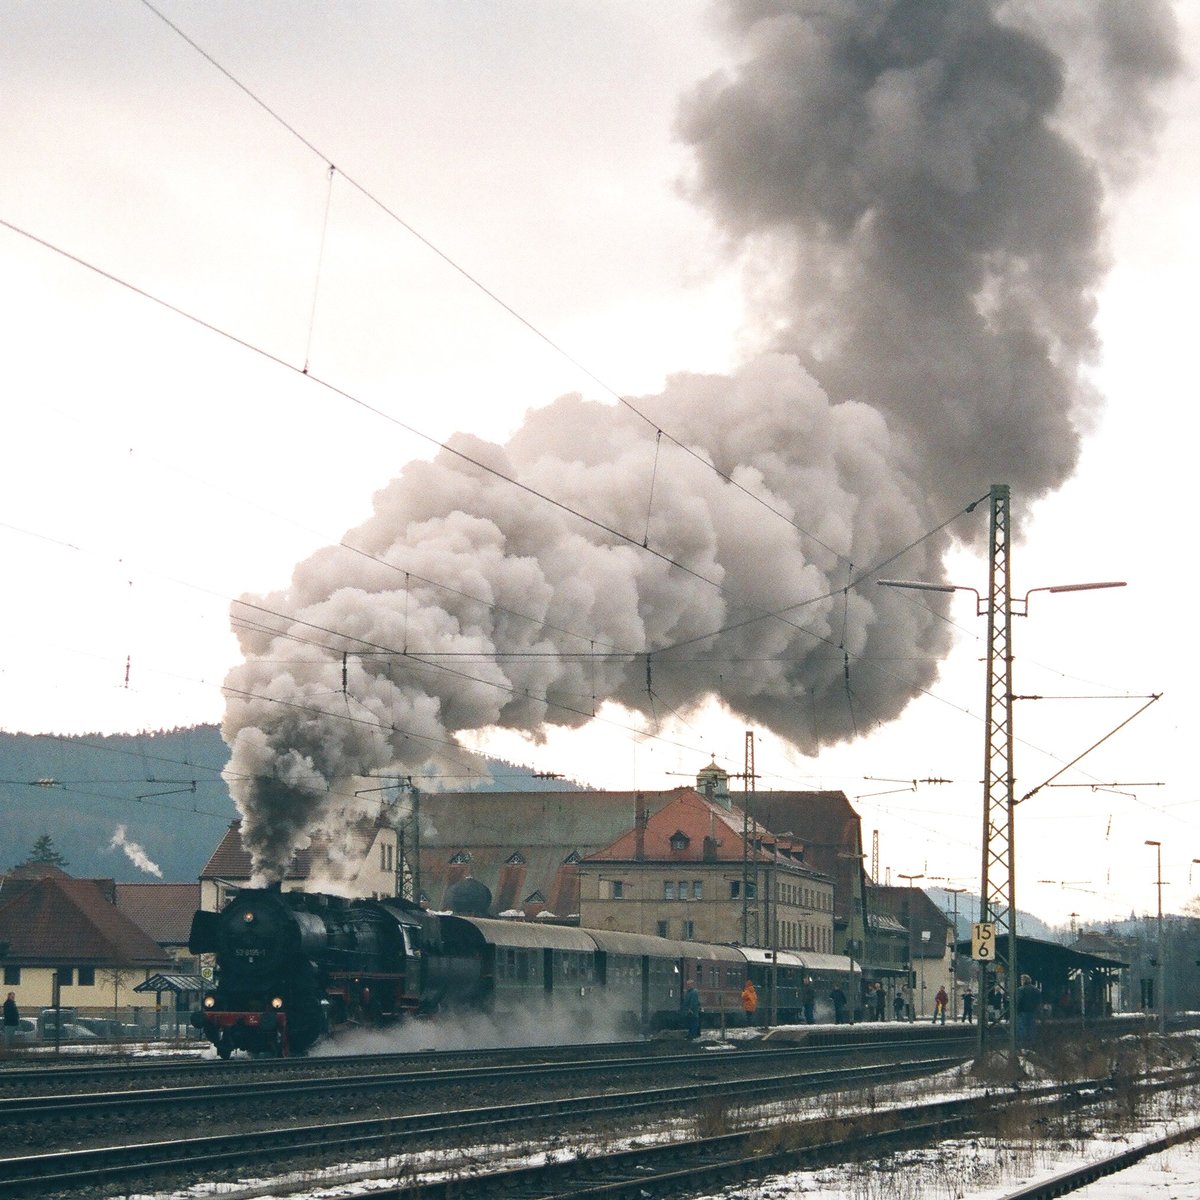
{"points": [[277, 1002], [210, 1001], [247, 917]]}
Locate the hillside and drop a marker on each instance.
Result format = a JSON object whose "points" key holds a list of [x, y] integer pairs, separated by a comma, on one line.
{"points": [[163, 790]]}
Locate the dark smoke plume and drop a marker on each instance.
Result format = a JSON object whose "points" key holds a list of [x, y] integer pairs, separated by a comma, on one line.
{"points": [[941, 227], [936, 202]]}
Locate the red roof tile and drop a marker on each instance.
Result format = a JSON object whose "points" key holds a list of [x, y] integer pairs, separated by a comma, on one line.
{"points": [[58, 920], [163, 911]]}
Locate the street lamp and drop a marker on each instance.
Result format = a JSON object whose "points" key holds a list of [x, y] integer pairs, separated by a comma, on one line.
{"points": [[1018, 608], [912, 957], [998, 901], [1162, 976]]}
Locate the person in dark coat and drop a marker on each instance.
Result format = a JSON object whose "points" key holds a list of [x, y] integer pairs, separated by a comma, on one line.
{"points": [[12, 1019], [1029, 1001], [691, 1009], [968, 1013], [839, 1005], [808, 999]]}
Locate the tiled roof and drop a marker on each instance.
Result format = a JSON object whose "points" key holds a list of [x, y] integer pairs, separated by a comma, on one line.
{"points": [[520, 842], [161, 910], [231, 860], [691, 828], [54, 921]]}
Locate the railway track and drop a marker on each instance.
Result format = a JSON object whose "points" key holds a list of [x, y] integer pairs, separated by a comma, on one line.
{"points": [[662, 1166], [348, 1088], [710, 1082], [83, 1170], [112, 1075], [1066, 1182]]}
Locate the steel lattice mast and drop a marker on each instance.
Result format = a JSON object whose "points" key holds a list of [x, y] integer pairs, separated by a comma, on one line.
{"points": [[997, 890]]}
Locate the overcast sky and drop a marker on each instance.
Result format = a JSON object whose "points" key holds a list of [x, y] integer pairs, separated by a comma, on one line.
{"points": [[156, 469]]}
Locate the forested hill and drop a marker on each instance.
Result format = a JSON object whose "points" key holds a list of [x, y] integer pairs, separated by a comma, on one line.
{"points": [[161, 791]]}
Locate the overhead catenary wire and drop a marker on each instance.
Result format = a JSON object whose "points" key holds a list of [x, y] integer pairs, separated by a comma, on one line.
{"points": [[474, 280], [645, 539]]}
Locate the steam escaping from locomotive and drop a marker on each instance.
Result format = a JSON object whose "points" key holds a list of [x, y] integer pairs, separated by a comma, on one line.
{"points": [[914, 190]]}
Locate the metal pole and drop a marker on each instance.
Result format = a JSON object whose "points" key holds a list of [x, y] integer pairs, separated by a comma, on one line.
{"points": [[1162, 975], [955, 892]]}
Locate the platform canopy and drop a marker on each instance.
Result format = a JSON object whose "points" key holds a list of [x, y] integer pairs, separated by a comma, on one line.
{"points": [[179, 984]]}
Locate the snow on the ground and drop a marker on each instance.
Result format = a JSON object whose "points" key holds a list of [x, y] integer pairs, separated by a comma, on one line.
{"points": [[975, 1168]]}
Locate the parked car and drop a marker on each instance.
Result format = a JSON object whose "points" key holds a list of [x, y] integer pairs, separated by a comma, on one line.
{"points": [[48, 1018], [77, 1033], [25, 1032]]}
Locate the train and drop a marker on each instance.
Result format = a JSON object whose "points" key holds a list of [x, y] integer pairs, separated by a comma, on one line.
{"points": [[294, 967]]}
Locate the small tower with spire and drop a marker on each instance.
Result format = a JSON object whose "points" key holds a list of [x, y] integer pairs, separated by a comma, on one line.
{"points": [[713, 783]]}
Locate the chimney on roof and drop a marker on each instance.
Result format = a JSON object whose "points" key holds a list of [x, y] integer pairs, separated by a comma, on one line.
{"points": [[639, 828]]}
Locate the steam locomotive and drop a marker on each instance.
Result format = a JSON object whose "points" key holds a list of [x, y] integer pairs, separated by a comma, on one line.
{"points": [[292, 967]]}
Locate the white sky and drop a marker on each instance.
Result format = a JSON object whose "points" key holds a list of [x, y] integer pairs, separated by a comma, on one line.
{"points": [[153, 470]]}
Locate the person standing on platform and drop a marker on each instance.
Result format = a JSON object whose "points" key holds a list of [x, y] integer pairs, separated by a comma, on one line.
{"points": [[939, 1006], [749, 1001], [808, 1000], [691, 1010], [1029, 1001], [12, 1019]]}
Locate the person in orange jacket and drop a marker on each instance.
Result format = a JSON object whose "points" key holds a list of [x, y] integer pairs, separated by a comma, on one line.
{"points": [[749, 1001]]}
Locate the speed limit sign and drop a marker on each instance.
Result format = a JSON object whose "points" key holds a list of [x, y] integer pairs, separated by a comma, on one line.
{"points": [[983, 941]]}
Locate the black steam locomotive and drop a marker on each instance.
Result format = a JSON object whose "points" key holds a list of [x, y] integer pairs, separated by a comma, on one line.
{"points": [[295, 966]]}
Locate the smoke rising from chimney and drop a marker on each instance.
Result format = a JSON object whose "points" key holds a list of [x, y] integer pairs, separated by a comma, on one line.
{"points": [[939, 235], [134, 852]]}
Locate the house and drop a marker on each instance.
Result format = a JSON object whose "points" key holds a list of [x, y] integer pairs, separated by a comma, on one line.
{"points": [[519, 855], [70, 932], [930, 940], [699, 869], [368, 858], [522, 848], [832, 834]]}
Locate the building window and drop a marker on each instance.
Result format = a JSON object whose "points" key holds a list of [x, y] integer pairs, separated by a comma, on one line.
{"points": [[572, 858], [66, 976], [516, 859], [12, 976], [463, 856], [617, 889], [683, 889], [689, 930], [662, 929], [697, 889], [385, 856], [87, 977], [680, 840]]}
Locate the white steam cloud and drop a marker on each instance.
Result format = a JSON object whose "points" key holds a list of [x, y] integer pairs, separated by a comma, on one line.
{"points": [[928, 207], [135, 853]]}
